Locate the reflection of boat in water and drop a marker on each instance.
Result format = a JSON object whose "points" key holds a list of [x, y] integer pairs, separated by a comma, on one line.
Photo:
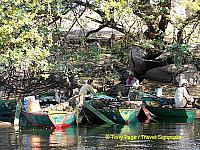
{"points": [[39, 138], [98, 130], [35, 138], [131, 129], [64, 138]]}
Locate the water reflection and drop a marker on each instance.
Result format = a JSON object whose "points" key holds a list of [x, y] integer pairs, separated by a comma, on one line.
{"points": [[173, 120], [133, 136], [63, 137], [35, 138]]}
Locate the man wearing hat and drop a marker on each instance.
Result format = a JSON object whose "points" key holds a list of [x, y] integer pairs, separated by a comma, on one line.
{"points": [[182, 97]]}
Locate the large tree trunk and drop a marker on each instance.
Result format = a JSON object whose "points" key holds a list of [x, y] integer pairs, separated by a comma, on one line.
{"points": [[141, 62], [146, 66]]}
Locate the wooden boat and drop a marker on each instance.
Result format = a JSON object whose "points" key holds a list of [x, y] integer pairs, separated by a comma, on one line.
{"points": [[173, 120], [7, 108], [57, 116], [163, 107], [62, 119], [121, 116], [172, 112], [56, 119], [111, 116]]}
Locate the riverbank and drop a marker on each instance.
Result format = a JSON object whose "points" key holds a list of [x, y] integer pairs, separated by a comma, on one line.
{"points": [[169, 88]]}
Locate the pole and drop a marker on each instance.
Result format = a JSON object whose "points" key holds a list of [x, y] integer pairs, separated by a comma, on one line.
{"points": [[17, 112]]}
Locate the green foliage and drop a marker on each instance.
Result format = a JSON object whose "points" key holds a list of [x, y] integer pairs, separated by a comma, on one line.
{"points": [[192, 4], [180, 53], [26, 29], [24, 41]]}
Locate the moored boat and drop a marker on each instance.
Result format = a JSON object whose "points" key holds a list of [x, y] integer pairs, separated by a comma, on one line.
{"points": [[7, 108], [58, 119], [172, 112], [121, 116], [115, 116], [99, 111], [62, 119], [55, 116]]}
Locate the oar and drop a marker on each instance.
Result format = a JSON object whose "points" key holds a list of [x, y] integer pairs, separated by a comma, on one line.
{"points": [[77, 114]]}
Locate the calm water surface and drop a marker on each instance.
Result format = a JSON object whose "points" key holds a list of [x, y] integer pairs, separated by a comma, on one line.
{"points": [[154, 135]]}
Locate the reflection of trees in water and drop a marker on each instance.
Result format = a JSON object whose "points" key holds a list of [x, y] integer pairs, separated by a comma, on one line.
{"points": [[187, 131], [93, 136]]}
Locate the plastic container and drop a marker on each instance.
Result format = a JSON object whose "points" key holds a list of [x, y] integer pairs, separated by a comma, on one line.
{"points": [[31, 105], [158, 92], [26, 101]]}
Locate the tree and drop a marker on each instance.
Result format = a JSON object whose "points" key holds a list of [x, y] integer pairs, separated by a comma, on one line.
{"points": [[30, 32], [146, 25], [25, 42]]}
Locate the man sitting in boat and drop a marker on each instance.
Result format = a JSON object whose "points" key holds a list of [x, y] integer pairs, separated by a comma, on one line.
{"points": [[132, 81], [86, 90], [182, 97]]}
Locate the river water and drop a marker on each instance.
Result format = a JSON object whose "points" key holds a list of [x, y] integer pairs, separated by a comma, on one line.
{"points": [[153, 135]]}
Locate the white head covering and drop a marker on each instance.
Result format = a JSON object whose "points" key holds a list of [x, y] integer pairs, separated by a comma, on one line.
{"points": [[183, 81]]}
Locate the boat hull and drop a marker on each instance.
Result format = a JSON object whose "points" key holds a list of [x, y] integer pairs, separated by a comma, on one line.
{"points": [[121, 116], [7, 108], [172, 112], [62, 119], [52, 120], [118, 116]]}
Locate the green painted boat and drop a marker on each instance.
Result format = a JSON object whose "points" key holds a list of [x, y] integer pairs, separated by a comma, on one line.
{"points": [[7, 108], [121, 116], [173, 120], [58, 119], [172, 112], [47, 117], [111, 116], [62, 119]]}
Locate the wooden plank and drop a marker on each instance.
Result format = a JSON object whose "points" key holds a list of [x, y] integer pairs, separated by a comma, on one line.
{"points": [[98, 114]]}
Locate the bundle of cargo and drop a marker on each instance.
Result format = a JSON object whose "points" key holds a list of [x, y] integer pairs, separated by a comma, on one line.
{"points": [[59, 107]]}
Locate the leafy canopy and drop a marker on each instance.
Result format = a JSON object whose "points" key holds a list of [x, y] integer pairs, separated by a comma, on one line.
{"points": [[25, 40]]}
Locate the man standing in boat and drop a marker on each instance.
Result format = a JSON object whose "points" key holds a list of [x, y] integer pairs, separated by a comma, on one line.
{"points": [[86, 90], [182, 97]]}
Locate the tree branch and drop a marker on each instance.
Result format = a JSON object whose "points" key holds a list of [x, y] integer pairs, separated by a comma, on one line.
{"points": [[96, 30], [185, 23]]}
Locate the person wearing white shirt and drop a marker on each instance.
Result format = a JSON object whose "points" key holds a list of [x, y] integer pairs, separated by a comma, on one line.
{"points": [[85, 90], [182, 97]]}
